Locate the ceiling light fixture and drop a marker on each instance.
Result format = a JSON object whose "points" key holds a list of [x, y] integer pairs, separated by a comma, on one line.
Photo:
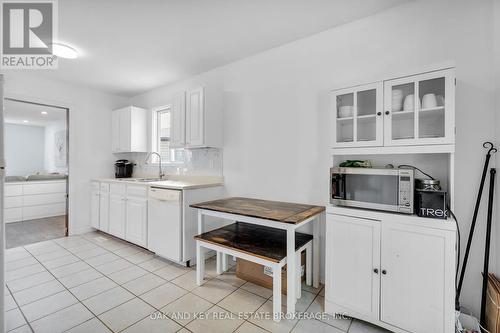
{"points": [[64, 51], [25, 121], [43, 112]]}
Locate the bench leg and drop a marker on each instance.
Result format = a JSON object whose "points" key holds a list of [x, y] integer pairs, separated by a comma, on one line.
{"points": [[298, 269], [290, 270], [309, 264], [200, 264], [218, 263], [276, 293]]}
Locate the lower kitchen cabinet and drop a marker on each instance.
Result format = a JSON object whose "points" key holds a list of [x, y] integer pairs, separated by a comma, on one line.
{"points": [[117, 215], [103, 207], [94, 206], [417, 287], [137, 220], [394, 274], [165, 225], [353, 254]]}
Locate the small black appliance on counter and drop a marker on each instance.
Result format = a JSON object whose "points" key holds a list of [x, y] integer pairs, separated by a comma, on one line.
{"points": [[124, 169], [431, 203]]}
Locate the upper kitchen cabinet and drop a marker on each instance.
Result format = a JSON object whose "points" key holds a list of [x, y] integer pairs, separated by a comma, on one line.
{"points": [[357, 116], [420, 109], [129, 130], [197, 119], [417, 110]]}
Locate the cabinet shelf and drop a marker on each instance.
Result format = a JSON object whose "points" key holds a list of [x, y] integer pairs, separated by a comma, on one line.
{"points": [[402, 113], [439, 108], [345, 119], [368, 116]]}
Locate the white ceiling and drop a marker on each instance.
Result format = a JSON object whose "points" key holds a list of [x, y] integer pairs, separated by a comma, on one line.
{"points": [[16, 112], [131, 46]]}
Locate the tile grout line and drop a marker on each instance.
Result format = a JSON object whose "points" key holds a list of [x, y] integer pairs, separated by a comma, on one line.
{"points": [[18, 308], [78, 301], [153, 273]]}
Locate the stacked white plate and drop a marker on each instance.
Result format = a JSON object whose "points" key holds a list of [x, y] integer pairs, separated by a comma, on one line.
{"points": [[346, 111], [397, 100]]}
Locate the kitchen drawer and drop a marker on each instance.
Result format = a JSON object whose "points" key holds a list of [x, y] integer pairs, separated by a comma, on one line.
{"points": [[11, 202], [118, 189], [12, 190], [94, 186], [44, 199], [13, 214], [59, 187], [104, 187], [36, 212], [137, 191]]}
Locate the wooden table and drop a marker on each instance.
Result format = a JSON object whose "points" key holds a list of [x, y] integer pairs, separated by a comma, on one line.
{"points": [[274, 214]]}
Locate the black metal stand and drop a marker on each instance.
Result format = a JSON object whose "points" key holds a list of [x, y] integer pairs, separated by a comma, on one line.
{"points": [[491, 150], [487, 247]]}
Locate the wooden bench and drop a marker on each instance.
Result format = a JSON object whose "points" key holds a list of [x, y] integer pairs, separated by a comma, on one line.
{"points": [[258, 244]]}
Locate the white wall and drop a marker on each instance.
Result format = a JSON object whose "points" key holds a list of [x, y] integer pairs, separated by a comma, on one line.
{"points": [[89, 133], [24, 149], [50, 153], [276, 103]]}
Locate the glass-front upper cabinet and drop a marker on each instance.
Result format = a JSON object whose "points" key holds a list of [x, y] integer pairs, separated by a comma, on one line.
{"points": [[420, 109], [357, 116]]}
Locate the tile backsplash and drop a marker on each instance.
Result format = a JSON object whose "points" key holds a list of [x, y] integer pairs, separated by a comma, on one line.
{"points": [[197, 162]]}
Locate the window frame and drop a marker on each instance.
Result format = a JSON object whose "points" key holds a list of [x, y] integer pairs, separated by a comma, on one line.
{"points": [[155, 137]]}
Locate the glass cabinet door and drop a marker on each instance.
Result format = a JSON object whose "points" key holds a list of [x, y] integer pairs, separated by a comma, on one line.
{"points": [[357, 116], [419, 109]]}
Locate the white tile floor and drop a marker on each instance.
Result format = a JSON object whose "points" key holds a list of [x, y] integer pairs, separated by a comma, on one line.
{"points": [[97, 283]]}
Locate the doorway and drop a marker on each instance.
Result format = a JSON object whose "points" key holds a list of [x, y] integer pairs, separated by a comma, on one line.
{"points": [[36, 172]]}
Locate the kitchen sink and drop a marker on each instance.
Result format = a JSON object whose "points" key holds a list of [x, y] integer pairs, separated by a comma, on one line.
{"points": [[149, 180], [141, 180]]}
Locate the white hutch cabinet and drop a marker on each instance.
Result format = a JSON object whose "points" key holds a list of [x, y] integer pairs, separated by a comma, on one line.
{"points": [[394, 270], [412, 110]]}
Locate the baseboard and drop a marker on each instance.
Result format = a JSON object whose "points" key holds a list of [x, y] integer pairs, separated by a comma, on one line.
{"points": [[81, 231]]}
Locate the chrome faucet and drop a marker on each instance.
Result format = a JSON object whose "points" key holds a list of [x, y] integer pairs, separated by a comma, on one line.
{"points": [[160, 172]]}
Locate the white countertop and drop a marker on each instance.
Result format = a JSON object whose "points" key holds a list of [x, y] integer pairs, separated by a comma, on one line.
{"points": [[171, 182]]}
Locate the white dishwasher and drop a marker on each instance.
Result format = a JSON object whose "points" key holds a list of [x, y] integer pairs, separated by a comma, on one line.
{"points": [[165, 223]]}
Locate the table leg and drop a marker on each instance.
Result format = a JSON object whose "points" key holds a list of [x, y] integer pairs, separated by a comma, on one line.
{"points": [[290, 271], [276, 293], [200, 264], [200, 253], [201, 222], [320, 219]]}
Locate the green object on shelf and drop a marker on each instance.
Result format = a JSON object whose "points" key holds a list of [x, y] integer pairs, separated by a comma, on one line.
{"points": [[355, 164]]}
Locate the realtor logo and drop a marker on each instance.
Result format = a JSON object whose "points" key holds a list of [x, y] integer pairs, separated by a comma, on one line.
{"points": [[28, 31]]}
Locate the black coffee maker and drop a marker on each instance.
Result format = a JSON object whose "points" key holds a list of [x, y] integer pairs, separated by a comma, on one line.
{"points": [[124, 169]]}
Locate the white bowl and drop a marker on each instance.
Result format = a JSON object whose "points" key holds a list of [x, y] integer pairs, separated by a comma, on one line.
{"points": [[409, 103], [429, 101], [346, 111]]}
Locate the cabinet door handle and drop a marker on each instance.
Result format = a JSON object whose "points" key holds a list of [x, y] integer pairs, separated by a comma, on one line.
{"points": [[384, 272], [387, 113], [375, 270], [379, 113]]}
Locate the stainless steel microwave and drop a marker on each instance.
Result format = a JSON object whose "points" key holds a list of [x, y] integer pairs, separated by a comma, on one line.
{"points": [[373, 188]]}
